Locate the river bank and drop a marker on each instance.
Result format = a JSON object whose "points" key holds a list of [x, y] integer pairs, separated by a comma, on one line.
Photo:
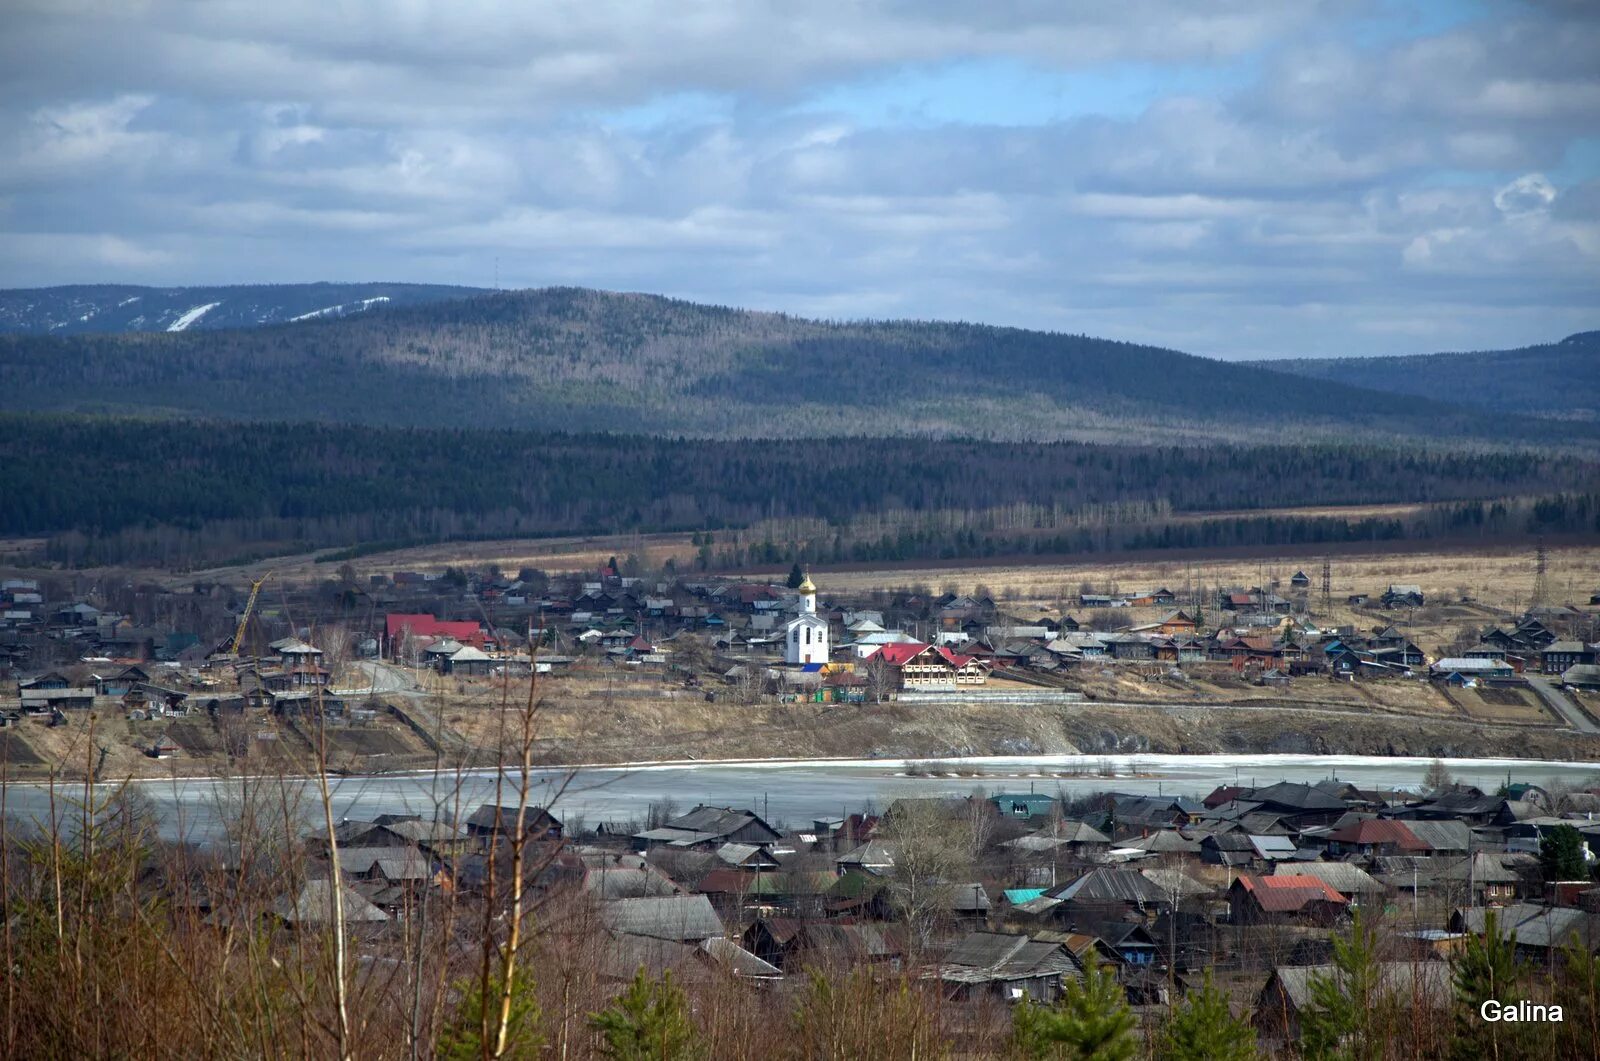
{"points": [[1080, 735], [587, 733]]}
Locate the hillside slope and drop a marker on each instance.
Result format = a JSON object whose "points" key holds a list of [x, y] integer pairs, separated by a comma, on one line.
{"points": [[93, 308], [1557, 380], [573, 359]]}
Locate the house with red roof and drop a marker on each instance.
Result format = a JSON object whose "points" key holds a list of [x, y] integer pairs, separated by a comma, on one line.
{"points": [[922, 666], [1376, 836], [1254, 900], [398, 628]]}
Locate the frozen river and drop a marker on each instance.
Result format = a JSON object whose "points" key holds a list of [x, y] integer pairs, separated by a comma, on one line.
{"points": [[797, 791]]}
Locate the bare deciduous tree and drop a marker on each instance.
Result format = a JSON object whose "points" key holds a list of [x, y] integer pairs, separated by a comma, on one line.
{"points": [[935, 849]]}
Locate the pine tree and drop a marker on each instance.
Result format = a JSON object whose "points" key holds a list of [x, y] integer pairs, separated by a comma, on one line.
{"points": [[1561, 854], [649, 1021], [1577, 992], [797, 575], [1487, 968], [1204, 1028], [1091, 1022], [462, 1038], [1346, 1005]]}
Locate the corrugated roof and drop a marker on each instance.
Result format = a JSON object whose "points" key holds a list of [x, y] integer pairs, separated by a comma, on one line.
{"points": [[627, 882], [1288, 894], [1441, 835], [1481, 868], [1430, 980], [1165, 841], [734, 958], [1378, 831], [313, 905], [671, 917], [1110, 885], [1271, 847], [1343, 877], [987, 956], [719, 821], [1176, 882], [874, 854]]}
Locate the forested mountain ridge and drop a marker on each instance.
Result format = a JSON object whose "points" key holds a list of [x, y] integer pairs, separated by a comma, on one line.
{"points": [[94, 308], [182, 492], [1559, 380], [582, 360]]}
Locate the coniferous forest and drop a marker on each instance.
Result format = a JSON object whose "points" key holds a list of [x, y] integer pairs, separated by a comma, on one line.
{"points": [[187, 492]]}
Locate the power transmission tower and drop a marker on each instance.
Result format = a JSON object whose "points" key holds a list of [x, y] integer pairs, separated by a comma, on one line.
{"points": [[1539, 584], [1327, 586]]}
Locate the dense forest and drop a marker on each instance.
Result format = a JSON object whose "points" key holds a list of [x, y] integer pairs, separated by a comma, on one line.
{"points": [[185, 492], [578, 360], [1558, 380], [86, 308]]}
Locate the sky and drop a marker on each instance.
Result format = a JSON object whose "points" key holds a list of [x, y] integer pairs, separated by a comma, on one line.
{"points": [[1233, 178]]}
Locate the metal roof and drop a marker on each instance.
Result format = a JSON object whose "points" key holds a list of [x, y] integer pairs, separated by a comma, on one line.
{"points": [[1403, 980], [1110, 885], [670, 917], [313, 905], [1343, 877]]}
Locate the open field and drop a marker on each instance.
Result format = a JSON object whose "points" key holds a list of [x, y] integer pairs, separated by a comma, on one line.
{"points": [[1498, 577], [550, 554], [1500, 705], [1439, 567]]}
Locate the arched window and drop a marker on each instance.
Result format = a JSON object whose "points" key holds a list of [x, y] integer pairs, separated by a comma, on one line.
{"points": [[808, 635]]}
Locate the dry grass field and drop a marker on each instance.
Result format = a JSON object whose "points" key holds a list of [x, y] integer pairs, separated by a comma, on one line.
{"points": [[1500, 705], [1498, 578]]}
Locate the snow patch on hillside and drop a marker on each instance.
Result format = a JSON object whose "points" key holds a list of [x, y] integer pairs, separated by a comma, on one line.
{"points": [[339, 310], [191, 316]]}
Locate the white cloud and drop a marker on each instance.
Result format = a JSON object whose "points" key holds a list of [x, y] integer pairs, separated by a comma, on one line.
{"points": [[1528, 194], [1349, 191]]}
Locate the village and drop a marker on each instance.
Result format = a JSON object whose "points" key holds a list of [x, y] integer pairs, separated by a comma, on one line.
{"points": [[219, 666], [983, 899]]}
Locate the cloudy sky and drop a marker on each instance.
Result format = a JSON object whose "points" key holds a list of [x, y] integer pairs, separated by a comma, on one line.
{"points": [[1232, 178]]}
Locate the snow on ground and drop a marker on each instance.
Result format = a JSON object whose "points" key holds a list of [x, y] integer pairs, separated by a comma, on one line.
{"points": [[191, 316], [126, 301], [338, 310]]}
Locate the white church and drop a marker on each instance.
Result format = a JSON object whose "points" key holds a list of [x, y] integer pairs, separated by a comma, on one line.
{"points": [[805, 637]]}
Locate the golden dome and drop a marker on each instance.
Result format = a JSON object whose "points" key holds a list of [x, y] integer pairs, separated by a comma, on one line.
{"points": [[806, 586]]}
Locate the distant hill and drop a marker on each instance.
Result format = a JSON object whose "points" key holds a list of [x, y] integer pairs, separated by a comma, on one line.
{"points": [[83, 308], [580, 360], [1555, 380]]}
